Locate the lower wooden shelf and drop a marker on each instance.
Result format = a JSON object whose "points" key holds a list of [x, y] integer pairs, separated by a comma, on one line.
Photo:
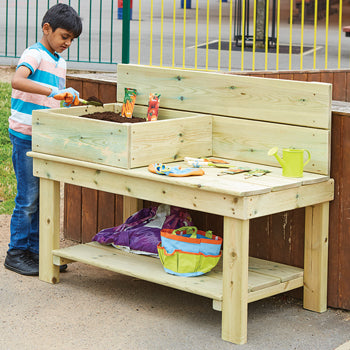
{"points": [[265, 278]]}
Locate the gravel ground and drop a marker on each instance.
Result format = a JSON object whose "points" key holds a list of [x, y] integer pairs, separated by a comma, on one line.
{"points": [[96, 309]]}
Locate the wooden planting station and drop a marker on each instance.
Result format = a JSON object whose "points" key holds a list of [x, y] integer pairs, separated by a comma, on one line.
{"points": [[237, 118]]}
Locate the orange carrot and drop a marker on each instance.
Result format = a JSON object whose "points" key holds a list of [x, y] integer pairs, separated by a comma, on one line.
{"points": [[129, 102]]}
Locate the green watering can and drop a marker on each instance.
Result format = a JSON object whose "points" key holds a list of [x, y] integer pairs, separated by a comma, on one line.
{"points": [[292, 162]]}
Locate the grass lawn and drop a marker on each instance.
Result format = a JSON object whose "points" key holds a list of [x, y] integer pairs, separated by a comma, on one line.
{"points": [[7, 176]]}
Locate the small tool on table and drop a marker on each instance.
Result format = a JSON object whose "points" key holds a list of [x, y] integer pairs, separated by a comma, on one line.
{"points": [[233, 171], [200, 162]]}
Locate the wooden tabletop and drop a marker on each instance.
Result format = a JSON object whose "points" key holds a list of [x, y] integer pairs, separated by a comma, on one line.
{"points": [[237, 185]]}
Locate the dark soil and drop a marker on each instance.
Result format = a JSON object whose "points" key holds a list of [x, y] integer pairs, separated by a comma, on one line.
{"points": [[94, 99], [113, 117]]}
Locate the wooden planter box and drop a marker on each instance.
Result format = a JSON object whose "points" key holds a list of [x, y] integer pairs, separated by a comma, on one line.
{"points": [[62, 132]]}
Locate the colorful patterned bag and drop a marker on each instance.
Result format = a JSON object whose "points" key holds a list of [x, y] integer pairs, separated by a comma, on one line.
{"points": [[189, 252]]}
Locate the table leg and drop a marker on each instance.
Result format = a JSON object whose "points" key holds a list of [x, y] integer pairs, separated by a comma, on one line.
{"points": [[235, 280], [316, 257], [49, 229]]}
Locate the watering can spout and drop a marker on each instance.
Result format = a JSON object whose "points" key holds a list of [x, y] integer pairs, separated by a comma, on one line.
{"points": [[273, 152]]}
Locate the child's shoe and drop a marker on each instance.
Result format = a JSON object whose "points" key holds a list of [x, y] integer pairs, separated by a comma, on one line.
{"points": [[20, 261]]}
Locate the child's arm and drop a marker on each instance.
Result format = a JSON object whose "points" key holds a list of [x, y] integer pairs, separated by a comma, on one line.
{"points": [[21, 82]]}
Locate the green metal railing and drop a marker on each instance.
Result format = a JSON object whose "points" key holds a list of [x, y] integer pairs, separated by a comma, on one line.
{"points": [[207, 35], [20, 21]]}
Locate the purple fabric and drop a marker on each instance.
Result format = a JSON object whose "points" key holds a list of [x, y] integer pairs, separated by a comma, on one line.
{"points": [[134, 234]]}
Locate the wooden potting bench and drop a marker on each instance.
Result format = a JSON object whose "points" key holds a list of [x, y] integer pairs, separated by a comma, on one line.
{"points": [[245, 117]]}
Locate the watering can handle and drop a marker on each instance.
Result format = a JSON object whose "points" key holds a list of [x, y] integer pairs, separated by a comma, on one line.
{"points": [[309, 157]]}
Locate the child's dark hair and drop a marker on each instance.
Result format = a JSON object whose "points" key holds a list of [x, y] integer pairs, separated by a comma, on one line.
{"points": [[65, 17]]}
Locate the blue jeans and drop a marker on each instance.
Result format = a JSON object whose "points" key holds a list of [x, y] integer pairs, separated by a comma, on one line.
{"points": [[25, 218]]}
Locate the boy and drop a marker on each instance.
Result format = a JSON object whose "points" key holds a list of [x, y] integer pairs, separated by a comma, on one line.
{"points": [[38, 83]]}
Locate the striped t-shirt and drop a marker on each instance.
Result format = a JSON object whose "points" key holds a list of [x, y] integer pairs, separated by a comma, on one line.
{"points": [[46, 69]]}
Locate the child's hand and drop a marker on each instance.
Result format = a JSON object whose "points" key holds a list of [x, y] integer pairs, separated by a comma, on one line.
{"points": [[70, 96]]}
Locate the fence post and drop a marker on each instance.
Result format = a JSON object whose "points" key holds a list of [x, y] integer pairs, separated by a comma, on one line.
{"points": [[126, 32], [120, 9], [188, 4]]}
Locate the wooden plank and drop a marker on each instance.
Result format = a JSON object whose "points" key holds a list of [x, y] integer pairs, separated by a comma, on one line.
{"points": [[281, 272], [142, 267], [340, 160], [121, 144], [344, 233], [314, 76], [249, 141], [327, 77], [118, 215], [80, 110], [297, 234], [275, 289], [289, 102], [235, 281], [105, 210], [90, 89], [170, 140], [339, 86], [89, 214], [257, 281], [207, 183], [49, 227], [91, 140], [270, 75], [299, 197], [75, 84], [130, 206], [275, 179], [108, 93], [276, 184], [347, 88], [260, 242], [208, 285], [287, 76], [281, 235], [300, 76], [223, 197], [164, 114], [72, 212], [148, 189], [316, 257]]}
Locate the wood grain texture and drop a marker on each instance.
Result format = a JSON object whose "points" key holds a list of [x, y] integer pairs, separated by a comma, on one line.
{"points": [[344, 236], [72, 212], [235, 280], [249, 141], [281, 101], [105, 218], [316, 257], [337, 214], [339, 86], [125, 145], [49, 223], [90, 213]]}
